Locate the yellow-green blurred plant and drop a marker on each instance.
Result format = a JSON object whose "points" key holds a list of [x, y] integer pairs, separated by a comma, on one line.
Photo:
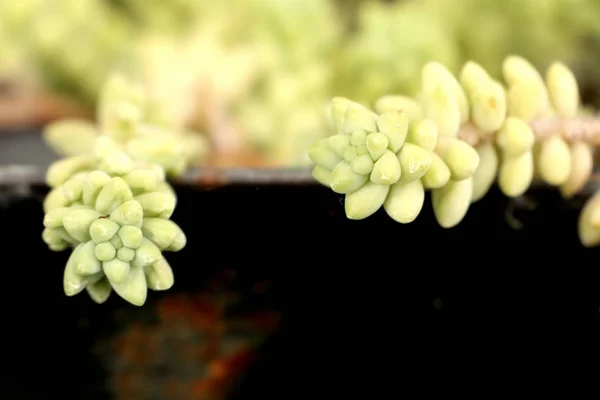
{"points": [[456, 138], [541, 30], [393, 41], [268, 65], [11, 57], [283, 112], [158, 15], [73, 44], [273, 64], [136, 124], [389, 47], [203, 66]]}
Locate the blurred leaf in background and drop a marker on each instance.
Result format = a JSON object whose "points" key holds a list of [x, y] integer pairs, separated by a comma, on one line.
{"points": [[540, 30], [174, 16], [257, 74], [71, 44], [391, 44], [284, 110], [269, 67]]}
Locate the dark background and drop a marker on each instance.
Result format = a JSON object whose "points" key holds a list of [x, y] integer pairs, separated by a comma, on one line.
{"points": [[362, 305]]}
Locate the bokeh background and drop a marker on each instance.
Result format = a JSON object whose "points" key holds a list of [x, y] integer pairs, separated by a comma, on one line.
{"points": [[267, 301], [255, 75]]}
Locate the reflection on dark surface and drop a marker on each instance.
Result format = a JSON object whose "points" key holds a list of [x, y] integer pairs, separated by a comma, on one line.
{"points": [[278, 293], [185, 345]]}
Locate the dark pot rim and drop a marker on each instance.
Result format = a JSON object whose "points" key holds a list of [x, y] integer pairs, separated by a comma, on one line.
{"points": [[19, 174]]}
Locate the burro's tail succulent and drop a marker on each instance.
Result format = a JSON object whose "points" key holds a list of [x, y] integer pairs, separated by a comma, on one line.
{"points": [[113, 213], [456, 138]]}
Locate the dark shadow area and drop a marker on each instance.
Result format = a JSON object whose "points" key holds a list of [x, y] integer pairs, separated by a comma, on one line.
{"points": [[364, 304]]}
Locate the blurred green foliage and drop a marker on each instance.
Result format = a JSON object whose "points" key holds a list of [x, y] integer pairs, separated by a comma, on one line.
{"points": [[389, 47], [71, 44], [273, 64], [541, 30]]}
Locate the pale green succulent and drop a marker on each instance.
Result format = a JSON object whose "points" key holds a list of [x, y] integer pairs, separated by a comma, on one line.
{"points": [[114, 215], [371, 162]]}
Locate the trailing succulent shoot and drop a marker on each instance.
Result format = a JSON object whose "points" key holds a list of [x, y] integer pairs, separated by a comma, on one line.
{"points": [[114, 215], [110, 202], [456, 138], [134, 122]]}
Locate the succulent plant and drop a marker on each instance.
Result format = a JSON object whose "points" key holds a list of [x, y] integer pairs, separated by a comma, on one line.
{"points": [[456, 138], [114, 215], [109, 201]]}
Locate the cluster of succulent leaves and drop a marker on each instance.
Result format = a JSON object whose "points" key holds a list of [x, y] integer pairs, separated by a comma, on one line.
{"points": [[114, 215], [136, 122], [389, 160], [389, 157], [110, 202]]}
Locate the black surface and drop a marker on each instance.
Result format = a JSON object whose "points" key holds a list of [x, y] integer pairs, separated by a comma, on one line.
{"points": [[367, 305], [357, 297]]}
